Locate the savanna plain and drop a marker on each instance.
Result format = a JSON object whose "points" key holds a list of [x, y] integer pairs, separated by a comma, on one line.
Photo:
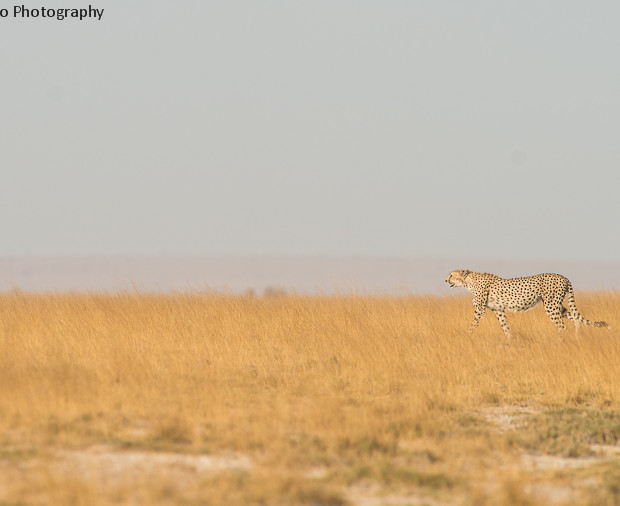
{"points": [[213, 398]]}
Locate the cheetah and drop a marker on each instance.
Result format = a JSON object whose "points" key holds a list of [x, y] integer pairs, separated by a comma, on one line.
{"points": [[520, 294]]}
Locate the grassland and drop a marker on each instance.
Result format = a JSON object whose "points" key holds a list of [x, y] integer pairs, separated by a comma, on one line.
{"points": [[136, 398]]}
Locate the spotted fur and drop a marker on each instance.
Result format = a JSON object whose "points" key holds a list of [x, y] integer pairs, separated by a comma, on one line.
{"points": [[520, 294]]}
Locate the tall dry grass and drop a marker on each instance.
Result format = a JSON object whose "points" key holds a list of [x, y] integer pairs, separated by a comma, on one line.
{"points": [[293, 381]]}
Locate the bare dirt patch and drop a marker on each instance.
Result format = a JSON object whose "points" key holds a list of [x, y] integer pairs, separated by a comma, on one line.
{"points": [[112, 467], [505, 418], [369, 495]]}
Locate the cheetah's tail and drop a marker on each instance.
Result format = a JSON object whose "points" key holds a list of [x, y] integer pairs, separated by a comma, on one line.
{"points": [[575, 315]]}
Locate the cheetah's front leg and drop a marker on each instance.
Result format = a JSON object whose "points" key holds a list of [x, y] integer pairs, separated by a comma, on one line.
{"points": [[479, 310], [503, 321]]}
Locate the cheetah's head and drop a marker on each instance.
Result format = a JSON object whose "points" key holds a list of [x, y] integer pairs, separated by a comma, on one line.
{"points": [[457, 278]]}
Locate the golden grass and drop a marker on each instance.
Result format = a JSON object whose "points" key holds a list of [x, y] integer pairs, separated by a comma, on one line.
{"points": [[329, 397]]}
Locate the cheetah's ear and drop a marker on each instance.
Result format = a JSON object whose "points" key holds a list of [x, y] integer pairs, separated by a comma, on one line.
{"points": [[466, 272]]}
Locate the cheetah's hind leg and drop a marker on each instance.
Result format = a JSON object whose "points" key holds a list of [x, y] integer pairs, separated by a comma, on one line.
{"points": [[555, 314], [572, 317]]}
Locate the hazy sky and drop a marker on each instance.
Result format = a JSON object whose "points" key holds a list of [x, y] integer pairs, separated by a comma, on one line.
{"points": [[392, 128]]}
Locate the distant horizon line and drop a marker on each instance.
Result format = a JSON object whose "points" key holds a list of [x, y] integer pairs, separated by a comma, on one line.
{"points": [[307, 274]]}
